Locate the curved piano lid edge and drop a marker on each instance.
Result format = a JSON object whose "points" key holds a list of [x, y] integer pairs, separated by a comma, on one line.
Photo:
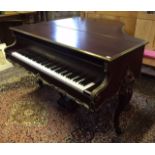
{"points": [[143, 43]]}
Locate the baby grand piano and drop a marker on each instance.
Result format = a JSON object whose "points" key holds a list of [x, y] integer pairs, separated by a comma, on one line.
{"points": [[87, 60]]}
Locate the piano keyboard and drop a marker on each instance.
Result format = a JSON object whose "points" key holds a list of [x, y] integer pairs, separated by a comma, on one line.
{"points": [[55, 71]]}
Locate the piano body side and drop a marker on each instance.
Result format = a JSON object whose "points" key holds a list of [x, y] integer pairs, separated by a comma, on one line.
{"points": [[117, 72]]}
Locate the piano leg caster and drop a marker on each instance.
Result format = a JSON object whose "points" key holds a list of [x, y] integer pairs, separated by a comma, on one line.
{"points": [[125, 94], [67, 103]]}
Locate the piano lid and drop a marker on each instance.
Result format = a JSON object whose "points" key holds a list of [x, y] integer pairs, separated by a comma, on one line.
{"points": [[100, 38]]}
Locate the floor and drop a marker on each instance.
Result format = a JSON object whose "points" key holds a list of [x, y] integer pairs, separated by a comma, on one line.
{"points": [[31, 114]]}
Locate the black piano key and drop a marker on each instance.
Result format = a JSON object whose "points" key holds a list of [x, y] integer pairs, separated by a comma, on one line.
{"points": [[34, 58], [81, 80], [37, 59], [69, 74], [30, 55], [57, 69], [63, 72], [66, 71], [44, 63], [85, 82], [53, 67], [76, 79], [62, 68], [72, 75], [80, 77], [49, 64]]}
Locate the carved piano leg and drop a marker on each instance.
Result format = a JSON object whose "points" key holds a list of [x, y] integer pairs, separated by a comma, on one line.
{"points": [[124, 96]]}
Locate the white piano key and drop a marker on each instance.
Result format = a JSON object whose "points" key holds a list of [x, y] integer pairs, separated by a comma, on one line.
{"points": [[89, 85]]}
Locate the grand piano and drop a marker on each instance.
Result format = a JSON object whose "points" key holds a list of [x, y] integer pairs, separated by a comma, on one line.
{"points": [[86, 60]]}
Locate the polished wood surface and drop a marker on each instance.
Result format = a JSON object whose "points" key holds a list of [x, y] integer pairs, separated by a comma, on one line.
{"points": [[101, 38]]}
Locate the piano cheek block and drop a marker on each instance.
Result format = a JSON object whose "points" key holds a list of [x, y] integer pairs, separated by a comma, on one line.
{"points": [[87, 93]]}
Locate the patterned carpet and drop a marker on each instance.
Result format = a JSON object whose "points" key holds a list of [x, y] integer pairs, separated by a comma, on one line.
{"points": [[31, 114]]}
